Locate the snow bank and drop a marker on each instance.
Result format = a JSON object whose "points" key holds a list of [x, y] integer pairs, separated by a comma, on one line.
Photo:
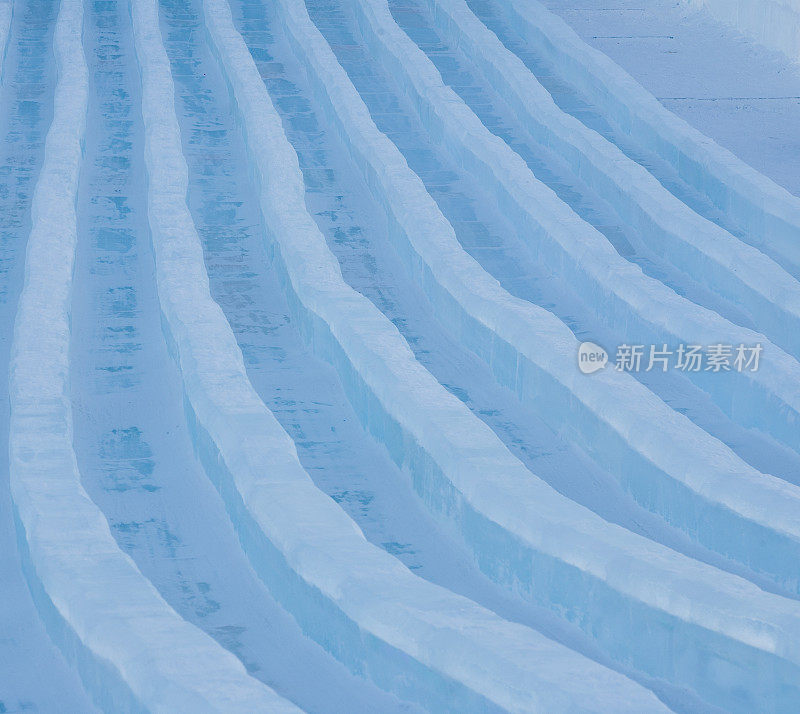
{"points": [[134, 653], [646, 605], [363, 605], [696, 246], [769, 215], [774, 23]]}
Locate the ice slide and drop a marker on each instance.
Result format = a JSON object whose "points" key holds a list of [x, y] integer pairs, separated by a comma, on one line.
{"points": [[304, 428], [740, 90], [26, 644]]}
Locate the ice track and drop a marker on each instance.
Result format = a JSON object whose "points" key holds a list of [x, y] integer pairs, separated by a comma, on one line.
{"points": [[295, 422]]}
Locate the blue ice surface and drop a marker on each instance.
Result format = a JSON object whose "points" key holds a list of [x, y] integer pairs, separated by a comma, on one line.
{"points": [[136, 458], [742, 94], [33, 675], [134, 450], [343, 44]]}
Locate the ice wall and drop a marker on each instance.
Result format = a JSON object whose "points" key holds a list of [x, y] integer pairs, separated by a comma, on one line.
{"points": [[774, 23], [768, 214], [409, 636], [696, 246], [637, 306], [532, 352], [133, 652], [524, 534]]}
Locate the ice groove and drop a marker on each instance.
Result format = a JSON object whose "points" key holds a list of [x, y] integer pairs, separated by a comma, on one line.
{"points": [[695, 245], [133, 652], [309, 552], [637, 432], [768, 214], [393, 415]]}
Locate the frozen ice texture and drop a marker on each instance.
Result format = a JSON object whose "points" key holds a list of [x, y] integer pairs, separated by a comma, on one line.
{"points": [[459, 468], [400, 629], [698, 247], [774, 23], [649, 609], [635, 443], [132, 650], [769, 214]]}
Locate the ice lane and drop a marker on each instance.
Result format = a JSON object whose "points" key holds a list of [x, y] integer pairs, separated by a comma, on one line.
{"points": [[340, 203], [131, 441], [342, 206], [460, 73], [493, 241], [731, 89], [33, 675], [304, 392], [457, 71]]}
